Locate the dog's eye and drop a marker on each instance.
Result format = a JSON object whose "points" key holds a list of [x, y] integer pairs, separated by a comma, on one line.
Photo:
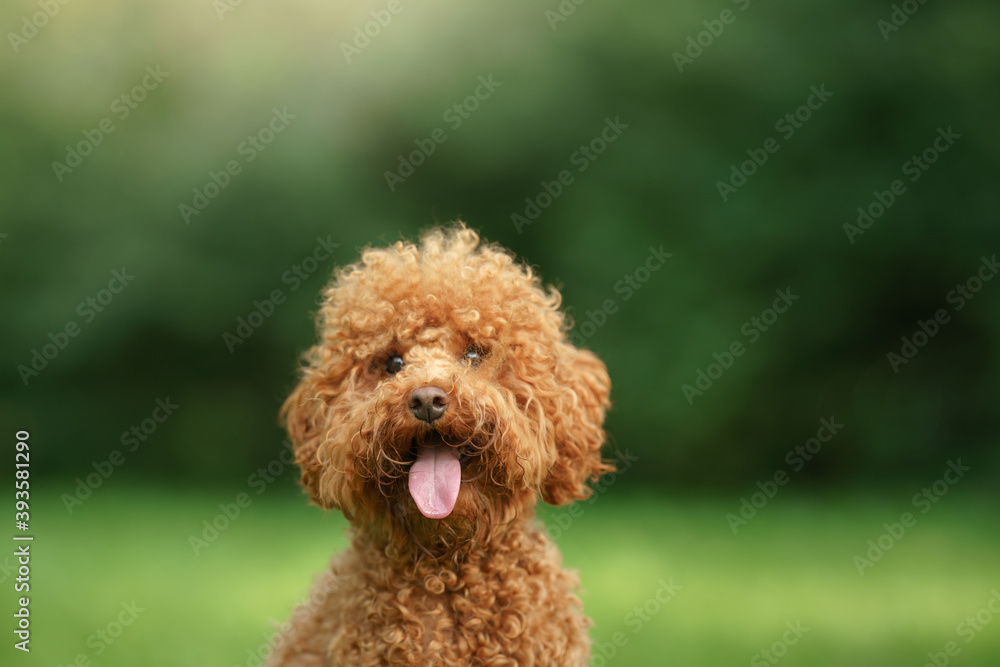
{"points": [[394, 364], [474, 355]]}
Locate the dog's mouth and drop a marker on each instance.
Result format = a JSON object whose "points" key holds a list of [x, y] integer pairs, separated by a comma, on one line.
{"points": [[435, 476]]}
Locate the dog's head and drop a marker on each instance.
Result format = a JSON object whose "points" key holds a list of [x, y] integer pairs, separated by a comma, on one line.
{"points": [[443, 395]]}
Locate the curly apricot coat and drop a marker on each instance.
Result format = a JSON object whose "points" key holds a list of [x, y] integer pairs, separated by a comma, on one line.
{"points": [[518, 416]]}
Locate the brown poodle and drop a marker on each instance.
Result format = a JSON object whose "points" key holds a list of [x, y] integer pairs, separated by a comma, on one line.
{"points": [[440, 403]]}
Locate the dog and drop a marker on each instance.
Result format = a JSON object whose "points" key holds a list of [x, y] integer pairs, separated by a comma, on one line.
{"points": [[440, 403]]}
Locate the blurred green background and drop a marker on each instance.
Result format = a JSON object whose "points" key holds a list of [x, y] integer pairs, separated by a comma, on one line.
{"points": [[209, 148]]}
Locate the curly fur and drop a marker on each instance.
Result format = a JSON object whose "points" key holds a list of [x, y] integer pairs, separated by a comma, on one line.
{"points": [[483, 586]]}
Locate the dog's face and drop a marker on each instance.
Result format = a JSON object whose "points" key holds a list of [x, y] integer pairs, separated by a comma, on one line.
{"points": [[443, 395]]}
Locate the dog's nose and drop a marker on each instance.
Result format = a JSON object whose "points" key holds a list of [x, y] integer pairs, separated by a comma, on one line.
{"points": [[428, 403]]}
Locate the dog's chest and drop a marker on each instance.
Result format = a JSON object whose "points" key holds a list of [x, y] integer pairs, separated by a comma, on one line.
{"points": [[523, 614]]}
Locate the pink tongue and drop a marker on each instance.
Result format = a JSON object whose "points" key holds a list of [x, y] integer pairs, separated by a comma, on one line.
{"points": [[435, 478]]}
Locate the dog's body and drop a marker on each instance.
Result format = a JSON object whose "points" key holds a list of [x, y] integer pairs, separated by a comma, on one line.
{"points": [[504, 603], [441, 402]]}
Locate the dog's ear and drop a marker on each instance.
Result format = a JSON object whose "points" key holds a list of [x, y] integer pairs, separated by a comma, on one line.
{"points": [[576, 416], [308, 417]]}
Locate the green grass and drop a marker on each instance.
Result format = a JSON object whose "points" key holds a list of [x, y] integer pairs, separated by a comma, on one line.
{"points": [[793, 562]]}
